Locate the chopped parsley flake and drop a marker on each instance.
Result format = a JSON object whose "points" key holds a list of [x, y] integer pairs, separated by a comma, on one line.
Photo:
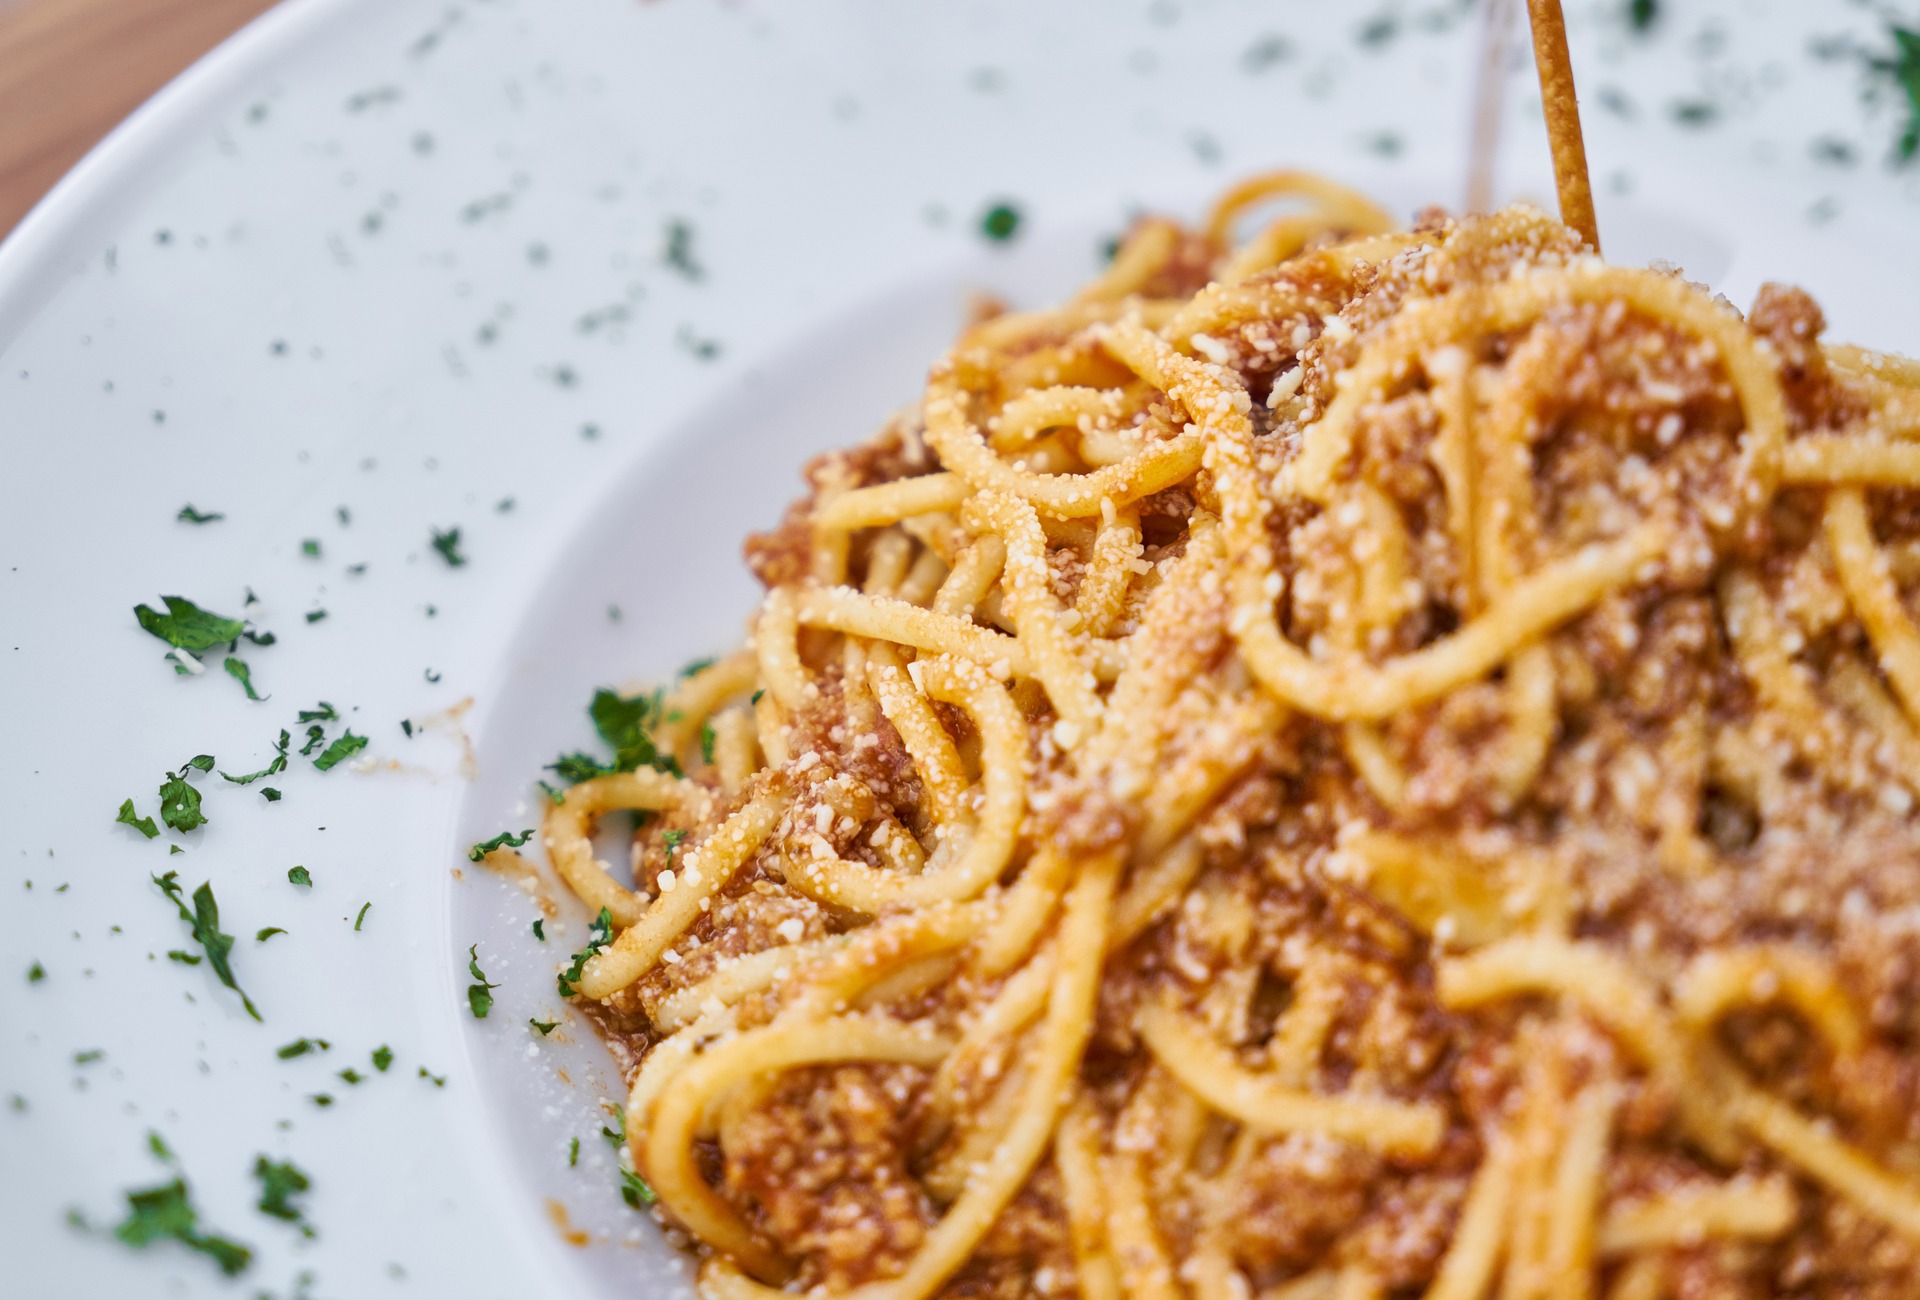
{"points": [[316, 738], [191, 516], [158, 1145], [279, 1184], [1642, 13], [270, 794], [36, 973], [182, 956], [1904, 69], [707, 739], [672, 840], [344, 748], [350, 1075], [310, 548], [142, 824], [634, 1190], [299, 876], [238, 670], [302, 1047], [321, 712], [88, 1058], [504, 840], [599, 935], [179, 800], [166, 1212], [678, 250], [185, 626], [573, 1152], [1000, 222], [364, 909], [274, 768], [382, 1058], [261, 936], [539, 929], [321, 1099], [437, 1080], [480, 993], [448, 544], [544, 1026], [625, 723], [205, 920], [315, 615]]}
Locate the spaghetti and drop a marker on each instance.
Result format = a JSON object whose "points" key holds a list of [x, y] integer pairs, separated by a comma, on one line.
{"points": [[1348, 762]]}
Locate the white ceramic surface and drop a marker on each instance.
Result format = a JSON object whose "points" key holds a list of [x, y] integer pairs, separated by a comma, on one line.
{"points": [[405, 258]]}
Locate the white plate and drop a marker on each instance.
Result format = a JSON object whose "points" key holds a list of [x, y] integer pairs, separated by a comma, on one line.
{"points": [[400, 258]]}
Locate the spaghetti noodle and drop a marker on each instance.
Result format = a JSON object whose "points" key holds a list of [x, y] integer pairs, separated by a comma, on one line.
{"points": [[1341, 763]]}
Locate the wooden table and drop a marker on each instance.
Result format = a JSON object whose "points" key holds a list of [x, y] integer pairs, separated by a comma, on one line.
{"points": [[71, 69]]}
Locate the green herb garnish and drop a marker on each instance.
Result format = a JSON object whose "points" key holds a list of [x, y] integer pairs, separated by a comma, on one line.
{"points": [[238, 670], [1000, 222], [179, 800], [544, 1026], [504, 840], [142, 824], [539, 929], [36, 973], [599, 935], [634, 1190], [279, 1184], [299, 876], [261, 936], [185, 626], [161, 1212], [573, 1152], [189, 515], [448, 544], [273, 768], [301, 1047], [344, 748], [480, 993], [321, 712], [382, 1058], [364, 909], [205, 920]]}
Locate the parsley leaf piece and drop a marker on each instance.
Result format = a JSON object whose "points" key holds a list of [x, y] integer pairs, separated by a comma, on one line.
{"points": [[279, 1184], [382, 1058], [479, 995], [574, 768], [555, 796], [678, 252], [599, 935], [205, 920], [299, 876], [634, 1190], [344, 748], [573, 1152], [310, 548], [158, 1145], [672, 840], [161, 1212], [301, 1047], [261, 936], [316, 737], [273, 768], [315, 615], [186, 626], [238, 670], [321, 712], [625, 723], [448, 544], [270, 794], [437, 1080], [364, 909], [1904, 68], [36, 973], [349, 1075], [142, 824], [539, 929], [707, 741], [184, 957], [179, 800], [544, 1026], [321, 1099], [1000, 223], [191, 516], [504, 840], [88, 1057]]}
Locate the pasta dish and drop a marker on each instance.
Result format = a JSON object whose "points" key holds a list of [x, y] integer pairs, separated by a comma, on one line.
{"points": [[1342, 761]]}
